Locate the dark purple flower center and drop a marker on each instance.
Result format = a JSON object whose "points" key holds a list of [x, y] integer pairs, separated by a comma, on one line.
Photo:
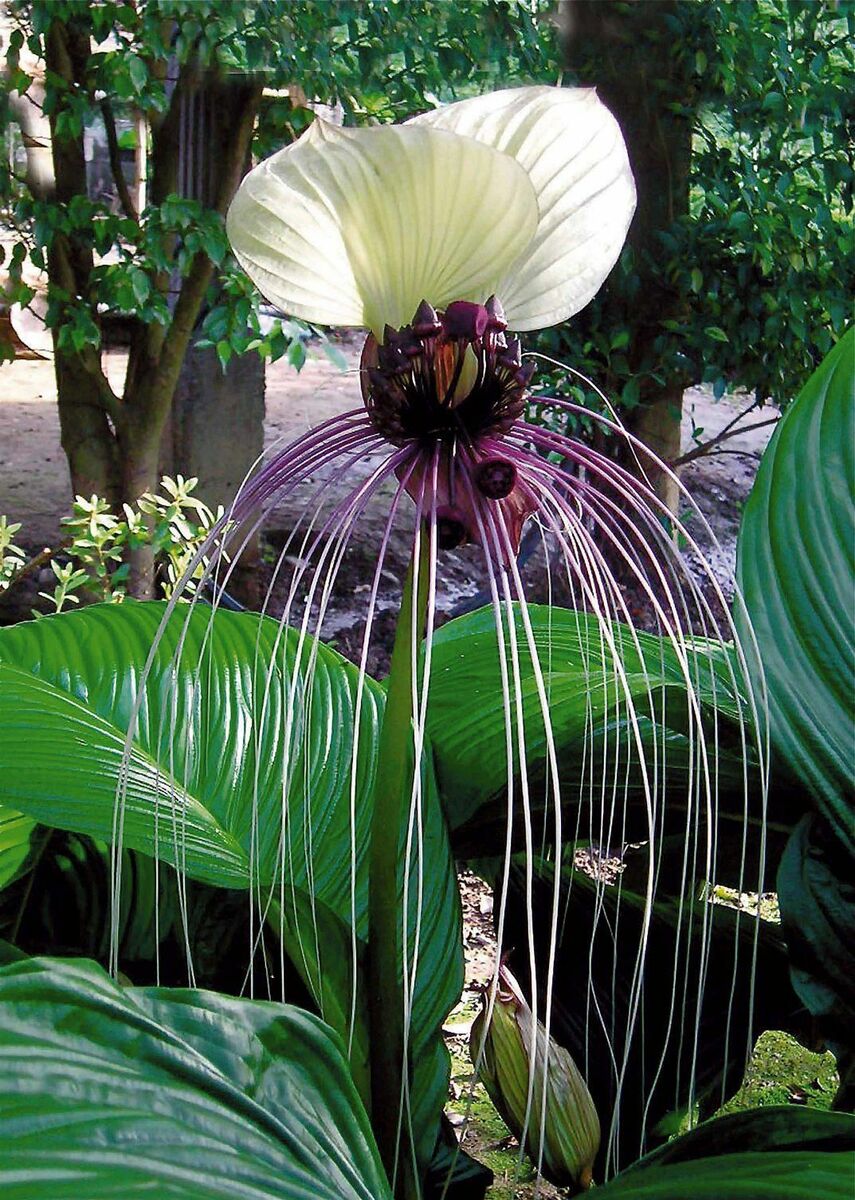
{"points": [[447, 376]]}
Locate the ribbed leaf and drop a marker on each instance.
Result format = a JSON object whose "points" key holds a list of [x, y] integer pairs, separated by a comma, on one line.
{"points": [[816, 890], [61, 764], [218, 787], [795, 564], [113, 1092], [16, 832], [62, 903], [762, 1154], [208, 741]]}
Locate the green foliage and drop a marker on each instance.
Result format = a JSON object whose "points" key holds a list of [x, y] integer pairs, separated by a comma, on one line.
{"points": [[16, 832], [203, 783], [591, 724], [72, 681], [380, 60], [12, 557], [750, 287], [770, 1154], [61, 899], [88, 663], [179, 1093], [817, 897], [666, 1061], [794, 567], [172, 521]]}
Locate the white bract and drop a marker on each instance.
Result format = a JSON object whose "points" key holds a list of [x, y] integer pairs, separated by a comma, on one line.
{"points": [[525, 193]]}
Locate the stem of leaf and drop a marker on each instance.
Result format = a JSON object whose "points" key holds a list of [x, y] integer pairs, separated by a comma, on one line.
{"points": [[392, 787]]}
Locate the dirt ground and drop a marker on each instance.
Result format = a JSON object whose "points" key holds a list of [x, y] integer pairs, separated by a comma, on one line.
{"points": [[35, 490]]}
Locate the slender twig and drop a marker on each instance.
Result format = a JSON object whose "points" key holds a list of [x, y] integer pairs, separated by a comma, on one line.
{"points": [[738, 453], [38, 560], [726, 433], [125, 198]]}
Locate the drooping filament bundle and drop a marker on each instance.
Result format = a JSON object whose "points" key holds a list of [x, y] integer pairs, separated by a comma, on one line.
{"points": [[541, 739], [634, 773]]}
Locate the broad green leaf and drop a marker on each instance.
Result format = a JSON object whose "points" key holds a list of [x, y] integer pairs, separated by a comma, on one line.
{"points": [[655, 991], [208, 746], [762, 1154], [217, 786], [816, 891], [318, 943], [61, 764], [591, 725], [16, 832], [113, 1092], [796, 555]]}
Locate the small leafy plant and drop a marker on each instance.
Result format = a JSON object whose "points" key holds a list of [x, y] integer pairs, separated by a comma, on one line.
{"points": [[173, 521]]}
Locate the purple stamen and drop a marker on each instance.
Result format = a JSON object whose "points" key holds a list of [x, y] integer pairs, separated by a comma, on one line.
{"points": [[496, 315], [416, 384], [426, 322]]}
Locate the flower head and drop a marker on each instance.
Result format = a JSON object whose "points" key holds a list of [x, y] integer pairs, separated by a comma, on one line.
{"points": [[535, 1085], [505, 210]]}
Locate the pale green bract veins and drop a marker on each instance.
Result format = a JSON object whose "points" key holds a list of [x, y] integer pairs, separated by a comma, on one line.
{"points": [[526, 194]]}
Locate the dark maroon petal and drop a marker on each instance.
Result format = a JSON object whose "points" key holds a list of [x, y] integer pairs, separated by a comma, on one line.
{"points": [[451, 530], [524, 374], [512, 358], [496, 314], [426, 322]]}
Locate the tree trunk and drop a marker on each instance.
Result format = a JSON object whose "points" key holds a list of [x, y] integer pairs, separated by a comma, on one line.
{"points": [[215, 429], [82, 389], [85, 433], [112, 442], [627, 51], [658, 424], [140, 474], [157, 358]]}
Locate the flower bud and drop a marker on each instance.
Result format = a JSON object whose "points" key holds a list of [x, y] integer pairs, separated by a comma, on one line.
{"points": [[502, 1052]]}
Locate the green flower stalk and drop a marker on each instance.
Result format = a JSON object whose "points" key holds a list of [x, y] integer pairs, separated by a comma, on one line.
{"points": [[536, 1086]]}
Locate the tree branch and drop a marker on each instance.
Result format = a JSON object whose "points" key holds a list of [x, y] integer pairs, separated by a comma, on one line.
{"points": [[125, 198], [62, 274], [726, 433], [37, 561]]}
